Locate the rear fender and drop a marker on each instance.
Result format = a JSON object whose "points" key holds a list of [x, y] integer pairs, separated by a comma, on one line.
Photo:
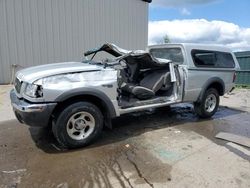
{"points": [[209, 83]]}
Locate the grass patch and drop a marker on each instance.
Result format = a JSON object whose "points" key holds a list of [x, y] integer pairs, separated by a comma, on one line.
{"points": [[242, 86]]}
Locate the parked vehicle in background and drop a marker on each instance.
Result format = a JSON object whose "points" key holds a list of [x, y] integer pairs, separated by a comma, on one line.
{"points": [[78, 98]]}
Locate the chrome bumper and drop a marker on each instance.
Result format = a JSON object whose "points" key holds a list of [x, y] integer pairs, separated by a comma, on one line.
{"points": [[31, 114], [31, 107]]}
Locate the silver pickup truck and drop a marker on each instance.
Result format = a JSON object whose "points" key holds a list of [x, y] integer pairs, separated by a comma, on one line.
{"points": [[78, 98]]}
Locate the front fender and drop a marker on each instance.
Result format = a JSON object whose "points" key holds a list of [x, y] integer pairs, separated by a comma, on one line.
{"points": [[89, 92]]}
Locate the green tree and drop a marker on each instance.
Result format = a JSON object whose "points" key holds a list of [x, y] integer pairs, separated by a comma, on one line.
{"points": [[166, 39]]}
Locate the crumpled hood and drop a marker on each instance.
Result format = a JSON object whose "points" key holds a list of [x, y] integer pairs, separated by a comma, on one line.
{"points": [[34, 73]]}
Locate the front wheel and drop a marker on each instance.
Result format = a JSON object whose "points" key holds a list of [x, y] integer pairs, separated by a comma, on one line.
{"points": [[78, 125], [208, 104]]}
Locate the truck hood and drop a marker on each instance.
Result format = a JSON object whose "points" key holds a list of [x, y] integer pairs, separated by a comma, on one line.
{"points": [[34, 73]]}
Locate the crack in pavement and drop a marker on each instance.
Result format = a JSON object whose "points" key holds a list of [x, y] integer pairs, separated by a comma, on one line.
{"points": [[138, 170], [123, 175]]}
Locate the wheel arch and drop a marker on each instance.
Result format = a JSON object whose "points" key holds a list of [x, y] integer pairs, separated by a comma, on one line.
{"points": [[98, 98], [216, 83]]}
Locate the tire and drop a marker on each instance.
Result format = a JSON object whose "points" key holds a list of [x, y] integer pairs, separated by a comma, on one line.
{"points": [[78, 125], [208, 105]]}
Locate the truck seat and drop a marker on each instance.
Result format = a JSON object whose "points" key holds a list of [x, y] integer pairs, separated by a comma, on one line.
{"points": [[149, 85]]}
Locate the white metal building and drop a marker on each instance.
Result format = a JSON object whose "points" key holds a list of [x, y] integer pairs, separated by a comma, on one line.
{"points": [[34, 32]]}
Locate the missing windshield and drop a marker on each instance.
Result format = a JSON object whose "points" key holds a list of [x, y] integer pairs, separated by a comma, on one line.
{"points": [[173, 54]]}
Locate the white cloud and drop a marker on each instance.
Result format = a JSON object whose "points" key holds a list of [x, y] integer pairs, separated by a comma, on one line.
{"points": [[180, 3], [200, 31], [185, 11]]}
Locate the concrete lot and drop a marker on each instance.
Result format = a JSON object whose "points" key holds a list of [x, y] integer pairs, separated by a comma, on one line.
{"points": [[158, 148]]}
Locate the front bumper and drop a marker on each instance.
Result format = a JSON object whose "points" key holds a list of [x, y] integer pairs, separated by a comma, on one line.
{"points": [[32, 114]]}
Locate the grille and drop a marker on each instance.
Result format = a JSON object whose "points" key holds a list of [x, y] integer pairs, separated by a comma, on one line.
{"points": [[18, 85]]}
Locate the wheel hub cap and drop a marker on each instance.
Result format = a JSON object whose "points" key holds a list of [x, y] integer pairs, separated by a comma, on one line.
{"points": [[210, 103], [80, 125]]}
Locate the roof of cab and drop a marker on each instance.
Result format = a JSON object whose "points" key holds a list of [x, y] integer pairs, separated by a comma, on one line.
{"points": [[191, 46]]}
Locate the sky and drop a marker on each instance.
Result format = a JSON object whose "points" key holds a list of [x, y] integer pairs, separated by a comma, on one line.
{"points": [[225, 22]]}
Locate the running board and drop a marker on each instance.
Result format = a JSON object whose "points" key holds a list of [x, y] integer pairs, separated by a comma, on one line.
{"points": [[144, 107]]}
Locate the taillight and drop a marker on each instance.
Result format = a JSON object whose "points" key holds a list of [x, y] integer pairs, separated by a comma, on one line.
{"points": [[234, 77]]}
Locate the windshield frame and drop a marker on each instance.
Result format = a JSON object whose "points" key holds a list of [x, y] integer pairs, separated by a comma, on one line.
{"points": [[168, 47]]}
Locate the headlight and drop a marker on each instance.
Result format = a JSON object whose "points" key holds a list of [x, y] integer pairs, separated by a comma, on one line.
{"points": [[34, 91]]}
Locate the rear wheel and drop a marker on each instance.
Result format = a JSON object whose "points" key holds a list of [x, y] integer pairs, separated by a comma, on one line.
{"points": [[78, 125], [208, 104]]}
